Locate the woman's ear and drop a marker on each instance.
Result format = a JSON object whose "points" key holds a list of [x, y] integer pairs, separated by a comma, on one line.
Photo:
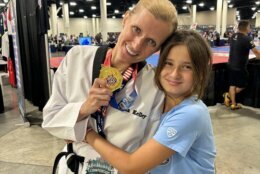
{"points": [[126, 16]]}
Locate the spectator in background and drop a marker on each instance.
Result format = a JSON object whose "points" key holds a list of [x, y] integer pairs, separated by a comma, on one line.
{"points": [[240, 46], [111, 40], [216, 37], [98, 39]]}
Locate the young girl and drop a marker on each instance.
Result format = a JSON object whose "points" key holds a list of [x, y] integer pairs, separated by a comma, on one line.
{"points": [[184, 141]]}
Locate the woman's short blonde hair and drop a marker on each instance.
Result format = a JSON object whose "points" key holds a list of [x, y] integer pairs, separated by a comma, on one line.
{"points": [[161, 9]]}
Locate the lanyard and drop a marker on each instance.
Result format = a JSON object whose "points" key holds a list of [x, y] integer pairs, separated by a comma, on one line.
{"points": [[124, 104], [127, 101]]}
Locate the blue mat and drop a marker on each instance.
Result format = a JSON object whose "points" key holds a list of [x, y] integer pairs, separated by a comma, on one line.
{"points": [[226, 49], [153, 59], [220, 49]]}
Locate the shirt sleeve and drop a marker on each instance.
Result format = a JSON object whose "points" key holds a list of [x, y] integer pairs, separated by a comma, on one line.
{"points": [[59, 115], [180, 128], [251, 43]]}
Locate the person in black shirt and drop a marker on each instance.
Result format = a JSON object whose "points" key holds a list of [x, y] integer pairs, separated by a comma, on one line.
{"points": [[240, 46]]}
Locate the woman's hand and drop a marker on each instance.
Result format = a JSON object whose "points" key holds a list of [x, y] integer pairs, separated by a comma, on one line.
{"points": [[99, 95]]}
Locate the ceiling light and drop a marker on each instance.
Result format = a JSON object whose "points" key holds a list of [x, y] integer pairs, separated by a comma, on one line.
{"points": [[257, 2], [108, 3], [184, 7], [253, 8], [212, 8], [201, 4], [72, 13], [93, 7], [258, 11], [85, 17], [123, 15], [189, 1], [81, 10], [228, 1], [113, 17], [94, 15], [230, 5], [73, 3], [130, 8], [61, 3], [5, 1], [2, 4], [116, 11]]}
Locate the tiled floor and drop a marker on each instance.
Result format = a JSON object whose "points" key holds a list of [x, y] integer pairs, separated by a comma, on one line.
{"points": [[31, 150], [24, 150]]}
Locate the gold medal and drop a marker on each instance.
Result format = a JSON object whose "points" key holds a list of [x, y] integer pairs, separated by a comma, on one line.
{"points": [[113, 77]]}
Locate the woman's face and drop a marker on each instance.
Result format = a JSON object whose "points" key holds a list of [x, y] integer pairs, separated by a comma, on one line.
{"points": [[176, 77], [142, 35]]}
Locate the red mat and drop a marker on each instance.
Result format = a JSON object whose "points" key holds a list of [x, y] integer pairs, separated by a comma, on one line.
{"points": [[55, 62]]}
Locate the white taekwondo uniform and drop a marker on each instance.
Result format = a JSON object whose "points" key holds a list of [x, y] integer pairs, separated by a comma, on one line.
{"points": [[72, 82]]}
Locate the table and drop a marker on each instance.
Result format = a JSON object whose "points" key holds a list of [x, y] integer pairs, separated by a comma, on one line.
{"points": [[55, 62]]}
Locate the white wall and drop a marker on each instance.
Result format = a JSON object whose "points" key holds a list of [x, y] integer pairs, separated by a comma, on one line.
{"points": [[77, 25], [184, 19], [114, 25], [80, 25], [207, 18]]}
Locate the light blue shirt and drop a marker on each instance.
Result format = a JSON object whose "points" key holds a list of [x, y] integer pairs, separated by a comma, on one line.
{"points": [[187, 130]]}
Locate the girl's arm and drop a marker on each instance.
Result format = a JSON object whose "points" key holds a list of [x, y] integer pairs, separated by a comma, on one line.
{"points": [[142, 160]]}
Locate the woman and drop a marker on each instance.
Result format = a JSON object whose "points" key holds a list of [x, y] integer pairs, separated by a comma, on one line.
{"points": [[80, 99], [184, 140]]}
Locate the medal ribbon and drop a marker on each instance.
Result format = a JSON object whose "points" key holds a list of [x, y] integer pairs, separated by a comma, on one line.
{"points": [[100, 113]]}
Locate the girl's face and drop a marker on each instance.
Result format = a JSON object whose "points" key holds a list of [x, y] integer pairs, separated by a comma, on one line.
{"points": [[176, 76]]}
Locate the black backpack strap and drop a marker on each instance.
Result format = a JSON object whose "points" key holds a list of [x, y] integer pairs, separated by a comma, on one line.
{"points": [[98, 60], [141, 65], [73, 160]]}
